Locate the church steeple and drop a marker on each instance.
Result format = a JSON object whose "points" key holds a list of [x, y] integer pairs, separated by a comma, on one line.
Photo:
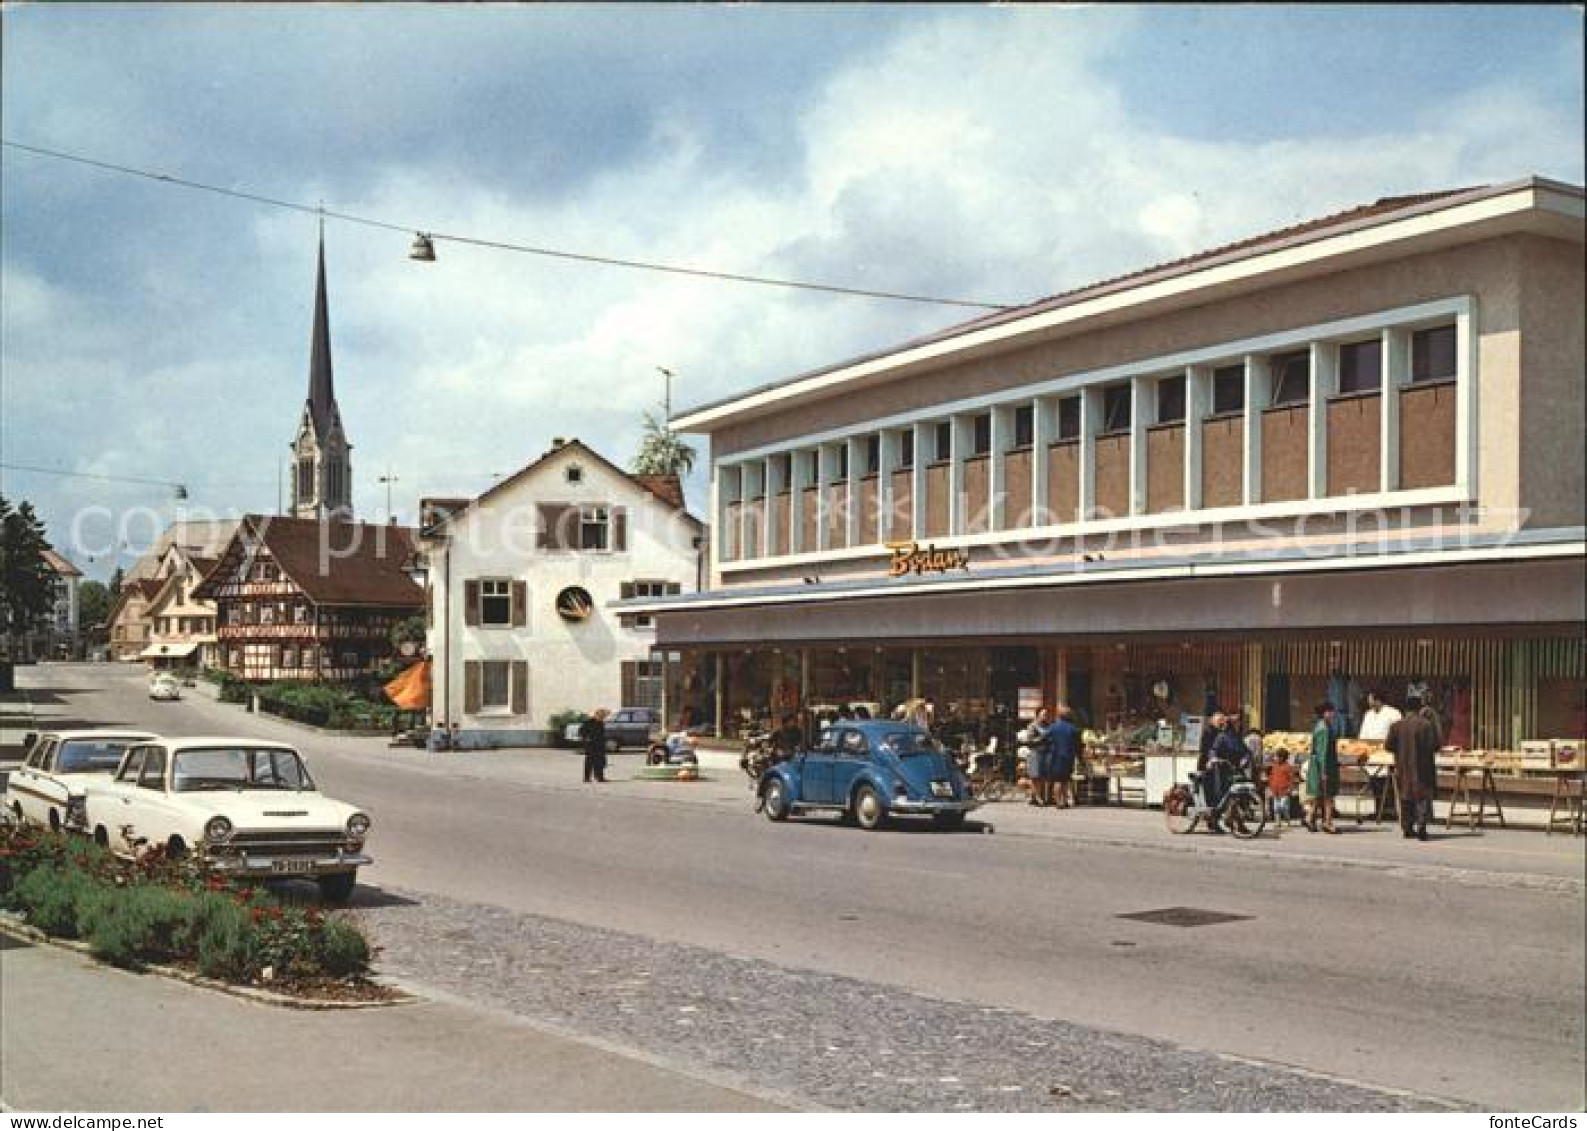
{"points": [[322, 473]]}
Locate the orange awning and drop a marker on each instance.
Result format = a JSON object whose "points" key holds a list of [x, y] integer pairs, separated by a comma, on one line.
{"points": [[411, 689]]}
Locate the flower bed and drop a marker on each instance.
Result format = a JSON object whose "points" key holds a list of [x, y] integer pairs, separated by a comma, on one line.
{"points": [[159, 911]]}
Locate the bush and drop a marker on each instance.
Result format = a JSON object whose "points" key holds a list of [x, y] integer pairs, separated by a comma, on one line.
{"points": [[51, 897], [136, 924], [343, 949], [559, 723], [220, 936]]}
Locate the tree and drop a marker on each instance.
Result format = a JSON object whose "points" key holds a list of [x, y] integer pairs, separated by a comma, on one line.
{"points": [[93, 603], [27, 583], [117, 580], [662, 452]]}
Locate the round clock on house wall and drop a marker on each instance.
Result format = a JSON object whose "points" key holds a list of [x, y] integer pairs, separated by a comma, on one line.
{"points": [[575, 603]]}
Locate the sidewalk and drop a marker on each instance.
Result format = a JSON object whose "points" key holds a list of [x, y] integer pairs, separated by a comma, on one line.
{"points": [[77, 1036]]}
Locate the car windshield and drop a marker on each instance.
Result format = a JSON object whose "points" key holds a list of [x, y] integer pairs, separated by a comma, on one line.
{"points": [[905, 743], [89, 756], [235, 767]]}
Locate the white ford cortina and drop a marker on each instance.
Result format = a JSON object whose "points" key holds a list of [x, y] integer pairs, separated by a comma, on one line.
{"points": [[246, 807], [48, 788]]}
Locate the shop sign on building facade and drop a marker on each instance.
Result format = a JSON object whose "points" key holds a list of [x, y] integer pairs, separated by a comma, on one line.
{"points": [[910, 557]]}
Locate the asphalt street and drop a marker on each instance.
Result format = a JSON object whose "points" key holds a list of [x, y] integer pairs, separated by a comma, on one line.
{"points": [[1401, 979]]}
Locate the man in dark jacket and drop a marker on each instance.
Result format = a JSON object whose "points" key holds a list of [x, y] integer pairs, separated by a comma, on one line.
{"points": [[1414, 742], [592, 734]]}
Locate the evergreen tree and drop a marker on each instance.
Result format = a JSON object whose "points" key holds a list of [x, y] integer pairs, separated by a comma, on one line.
{"points": [[93, 603], [117, 580], [27, 583], [662, 452]]}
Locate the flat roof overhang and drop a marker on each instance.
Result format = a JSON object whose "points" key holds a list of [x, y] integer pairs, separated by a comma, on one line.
{"points": [[1533, 205]]}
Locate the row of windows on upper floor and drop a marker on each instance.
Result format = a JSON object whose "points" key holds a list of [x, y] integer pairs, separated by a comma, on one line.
{"points": [[1360, 370]]}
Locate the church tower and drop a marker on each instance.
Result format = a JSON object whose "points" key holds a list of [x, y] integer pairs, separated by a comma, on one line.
{"points": [[322, 470]]}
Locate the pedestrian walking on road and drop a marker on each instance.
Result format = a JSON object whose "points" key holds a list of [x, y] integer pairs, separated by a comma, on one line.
{"points": [[1414, 741], [592, 733], [1322, 770]]}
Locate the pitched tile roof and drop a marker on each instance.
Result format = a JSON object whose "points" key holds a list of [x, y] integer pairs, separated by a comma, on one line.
{"points": [[60, 565], [333, 562], [667, 488]]}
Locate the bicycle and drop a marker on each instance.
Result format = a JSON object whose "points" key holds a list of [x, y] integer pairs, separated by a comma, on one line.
{"points": [[1241, 811]]}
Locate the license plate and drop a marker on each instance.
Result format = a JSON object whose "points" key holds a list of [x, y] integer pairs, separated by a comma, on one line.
{"points": [[942, 789], [292, 865]]}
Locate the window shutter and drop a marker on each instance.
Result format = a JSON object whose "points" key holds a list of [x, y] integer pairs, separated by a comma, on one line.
{"points": [[470, 602], [626, 590], [620, 529], [520, 604], [520, 687], [473, 692], [554, 534], [628, 683]]}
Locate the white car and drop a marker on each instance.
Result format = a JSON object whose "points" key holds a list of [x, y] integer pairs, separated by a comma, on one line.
{"points": [[244, 806], [48, 788], [165, 686]]}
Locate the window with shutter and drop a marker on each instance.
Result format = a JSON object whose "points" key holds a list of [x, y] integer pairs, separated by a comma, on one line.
{"points": [[620, 529], [554, 531], [472, 687], [470, 602], [520, 604]]}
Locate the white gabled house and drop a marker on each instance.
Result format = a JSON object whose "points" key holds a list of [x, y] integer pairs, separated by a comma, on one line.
{"points": [[521, 580]]}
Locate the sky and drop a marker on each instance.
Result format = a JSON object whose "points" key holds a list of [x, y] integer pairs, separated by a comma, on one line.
{"points": [[986, 153]]}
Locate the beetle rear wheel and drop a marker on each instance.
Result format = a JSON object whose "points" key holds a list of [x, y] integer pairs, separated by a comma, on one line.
{"points": [[869, 813]]}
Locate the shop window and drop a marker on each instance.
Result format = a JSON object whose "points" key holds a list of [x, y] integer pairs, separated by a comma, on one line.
{"points": [[1069, 418], [1024, 426], [981, 439], [873, 455], [1433, 354], [1291, 378], [906, 449], [1171, 400], [495, 603], [1361, 366], [1228, 389], [1115, 409]]}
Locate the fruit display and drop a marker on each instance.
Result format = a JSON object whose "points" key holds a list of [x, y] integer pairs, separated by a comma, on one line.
{"points": [[1294, 743]]}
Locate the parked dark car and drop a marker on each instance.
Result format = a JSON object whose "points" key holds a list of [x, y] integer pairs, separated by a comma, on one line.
{"points": [[631, 726], [870, 771]]}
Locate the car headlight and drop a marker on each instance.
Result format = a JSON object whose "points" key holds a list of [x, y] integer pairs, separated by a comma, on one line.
{"points": [[358, 826], [217, 830]]}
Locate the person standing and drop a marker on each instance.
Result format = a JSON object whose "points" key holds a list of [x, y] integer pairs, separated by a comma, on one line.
{"points": [[1414, 741], [1378, 718], [1063, 740], [1322, 769], [592, 733], [1038, 763]]}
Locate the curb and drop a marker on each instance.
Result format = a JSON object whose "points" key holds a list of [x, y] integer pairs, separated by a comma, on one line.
{"points": [[22, 932]]}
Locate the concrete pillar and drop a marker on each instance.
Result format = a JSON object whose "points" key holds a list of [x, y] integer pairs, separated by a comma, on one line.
{"points": [[1143, 403], [960, 431], [1396, 375], [1257, 382], [721, 703], [884, 485], [851, 520], [1090, 416], [1044, 431], [917, 495], [1324, 384], [1002, 440], [1198, 402]]}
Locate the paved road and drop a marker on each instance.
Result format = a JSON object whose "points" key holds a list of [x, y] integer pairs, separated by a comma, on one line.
{"points": [[1398, 980]]}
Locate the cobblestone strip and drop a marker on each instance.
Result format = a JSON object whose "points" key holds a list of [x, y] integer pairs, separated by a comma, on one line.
{"points": [[826, 1040]]}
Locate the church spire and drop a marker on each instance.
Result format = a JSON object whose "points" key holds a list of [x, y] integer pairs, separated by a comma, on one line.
{"points": [[322, 384]]}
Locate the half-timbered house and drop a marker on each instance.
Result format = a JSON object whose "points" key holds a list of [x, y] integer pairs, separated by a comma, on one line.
{"points": [[311, 600]]}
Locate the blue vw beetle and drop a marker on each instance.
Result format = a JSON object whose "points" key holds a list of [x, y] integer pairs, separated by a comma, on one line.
{"points": [[870, 771]]}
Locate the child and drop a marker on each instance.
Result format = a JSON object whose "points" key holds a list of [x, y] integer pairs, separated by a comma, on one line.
{"points": [[1280, 784]]}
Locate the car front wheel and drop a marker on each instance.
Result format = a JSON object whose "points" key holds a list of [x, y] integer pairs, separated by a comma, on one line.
{"points": [[775, 796], [338, 887], [869, 812]]}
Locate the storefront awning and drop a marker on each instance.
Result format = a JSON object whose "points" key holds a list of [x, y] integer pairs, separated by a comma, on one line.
{"points": [[178, 651]]}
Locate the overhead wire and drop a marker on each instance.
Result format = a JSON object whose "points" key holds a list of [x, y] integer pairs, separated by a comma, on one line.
{"points": [[499, 245]]}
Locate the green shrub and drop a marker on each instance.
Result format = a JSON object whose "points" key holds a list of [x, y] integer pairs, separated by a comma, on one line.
{"points": [[139, 923], [559, 723], [52, 897], [343, 948], [220, 936]]}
